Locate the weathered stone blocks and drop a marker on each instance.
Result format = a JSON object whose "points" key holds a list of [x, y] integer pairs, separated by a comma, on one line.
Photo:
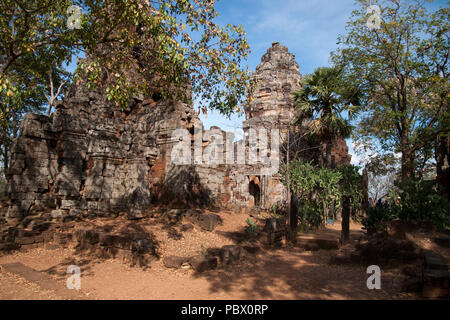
{"points": [[91, 158], [202, 263], [435, 276], [230, 254], [174, 261]]}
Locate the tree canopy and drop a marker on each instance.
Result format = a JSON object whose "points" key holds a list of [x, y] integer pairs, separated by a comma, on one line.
{"points": [[174, 45], [171, 42], [322, 100], [401, 69]]}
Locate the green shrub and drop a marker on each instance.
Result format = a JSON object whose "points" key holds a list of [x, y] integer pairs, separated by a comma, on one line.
{"points": [[318, 189], [377, 218], [421, 201], [276, 213], [411, 200], [251, 228], [310, 215], [203, 250]]}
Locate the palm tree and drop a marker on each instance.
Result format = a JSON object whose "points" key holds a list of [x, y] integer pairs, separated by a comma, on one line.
{"points": [[322, 101]]}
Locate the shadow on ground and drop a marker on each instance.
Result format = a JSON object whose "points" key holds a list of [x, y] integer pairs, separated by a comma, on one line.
{"points": [[293, 273]]}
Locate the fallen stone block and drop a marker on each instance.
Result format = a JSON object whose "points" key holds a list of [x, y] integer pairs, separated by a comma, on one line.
{"points": [[272, 238], [40, 226], [312, 247], [143, 246], [275, 225], [251, 249], [24, 241], [86, 236], [21, 233], [48, 236], [230, 254], [58, 213], [436, 284], [173, 261], [120, 242], [62, 238], [142, 260], [26, 247], [105, 240], [202, 263], [186, 227], [207, 222], [9, 246], [434, 261], [124, 255]]}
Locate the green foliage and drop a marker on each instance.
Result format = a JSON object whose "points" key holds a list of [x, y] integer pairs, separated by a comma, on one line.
{"points": [[402, 72], [319, 188], [203, 250], [351, 186], [411, 200], [275, 212], [310, 215], [172, 42], [174, 45], [377, 217], [421, 201], [316, 189], [322, 99], [251, 228]]}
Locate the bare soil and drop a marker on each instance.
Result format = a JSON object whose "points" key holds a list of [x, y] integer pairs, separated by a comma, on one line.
{"points": [[286, 273]]}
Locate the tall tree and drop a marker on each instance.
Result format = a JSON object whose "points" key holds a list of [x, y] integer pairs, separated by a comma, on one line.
{"points": [[322, 101], [351, 189], [402, 71], [174, 45]]}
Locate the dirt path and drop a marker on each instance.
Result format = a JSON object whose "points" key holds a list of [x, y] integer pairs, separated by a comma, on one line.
{"points": [[273, 275], [281, 274]]}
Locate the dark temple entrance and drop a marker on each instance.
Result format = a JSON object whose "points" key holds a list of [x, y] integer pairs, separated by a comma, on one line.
{"points": [[255, 189]]}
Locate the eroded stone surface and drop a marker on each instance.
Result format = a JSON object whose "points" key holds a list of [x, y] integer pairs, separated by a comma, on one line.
{"points": [[89, 159], [202, 263], [173, 261]]}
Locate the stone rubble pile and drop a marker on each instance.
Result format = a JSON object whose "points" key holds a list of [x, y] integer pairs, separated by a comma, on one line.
{"points": [[90, 159]]}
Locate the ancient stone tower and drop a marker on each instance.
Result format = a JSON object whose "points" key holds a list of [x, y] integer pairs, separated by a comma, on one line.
{"points": [[90, 159], [277, 76]]}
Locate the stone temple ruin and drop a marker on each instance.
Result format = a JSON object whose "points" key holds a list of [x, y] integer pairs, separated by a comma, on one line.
{"points": [[89, 159]]}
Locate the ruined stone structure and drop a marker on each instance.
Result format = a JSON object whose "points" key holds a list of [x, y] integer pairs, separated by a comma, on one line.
{"points": [[91, 159]]}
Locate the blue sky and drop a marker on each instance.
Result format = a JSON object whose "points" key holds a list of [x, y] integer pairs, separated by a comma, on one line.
{"points": [[309, 28]]}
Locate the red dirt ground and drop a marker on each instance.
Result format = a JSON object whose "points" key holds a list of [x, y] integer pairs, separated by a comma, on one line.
{"points": [[288, 273]]}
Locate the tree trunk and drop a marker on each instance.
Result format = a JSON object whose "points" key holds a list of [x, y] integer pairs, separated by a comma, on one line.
{"points": [[15, 129], [331, 212], [442, 165], [407, 160], [5, 160], [328, 154], [407, 166], [345, 232], [288, 182]]}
